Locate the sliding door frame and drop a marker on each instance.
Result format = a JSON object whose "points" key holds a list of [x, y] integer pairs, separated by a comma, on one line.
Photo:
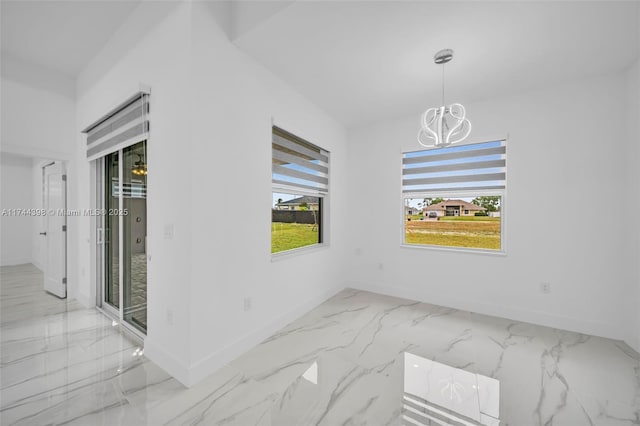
{"points": [[117, 314]]}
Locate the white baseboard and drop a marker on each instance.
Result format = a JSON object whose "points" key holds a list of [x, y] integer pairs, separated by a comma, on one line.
{"points": [[83, 299], [191, 375], [634, 343], [15, 261], [578, 325], [215, 361], [167, 362]]}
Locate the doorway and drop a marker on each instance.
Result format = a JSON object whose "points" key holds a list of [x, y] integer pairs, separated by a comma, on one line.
{"points": [[122, 235], [54, 228]]}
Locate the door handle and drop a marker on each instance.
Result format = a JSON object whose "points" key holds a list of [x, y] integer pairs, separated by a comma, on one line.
{"points": [[43, 233]]}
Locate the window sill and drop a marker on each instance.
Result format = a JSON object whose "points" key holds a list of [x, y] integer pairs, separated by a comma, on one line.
{"points": [[499, 253], [276, 257]]}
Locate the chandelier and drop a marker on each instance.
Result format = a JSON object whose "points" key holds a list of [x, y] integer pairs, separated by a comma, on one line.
{"points": [[444, 125], [139, 167]]}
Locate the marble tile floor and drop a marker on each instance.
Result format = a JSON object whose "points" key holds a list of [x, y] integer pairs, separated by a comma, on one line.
{"points": [[357, 359]]}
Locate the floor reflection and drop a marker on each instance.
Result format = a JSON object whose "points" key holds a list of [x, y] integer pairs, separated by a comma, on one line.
{"points": [[435, 393], [359, 358]]}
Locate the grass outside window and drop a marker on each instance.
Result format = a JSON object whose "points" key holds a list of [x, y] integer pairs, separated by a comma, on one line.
{"points": [[466, 232], [289, 236]]}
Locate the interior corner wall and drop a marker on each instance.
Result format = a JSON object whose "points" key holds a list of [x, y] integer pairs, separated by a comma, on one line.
{"points": [[37, 116], [209, 188], [16, 193], [565, 178], [37, 110], [235, 102], [633, 195], [158, 57]]}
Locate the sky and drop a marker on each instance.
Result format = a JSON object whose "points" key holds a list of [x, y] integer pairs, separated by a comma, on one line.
{"points": [[285, 197]]}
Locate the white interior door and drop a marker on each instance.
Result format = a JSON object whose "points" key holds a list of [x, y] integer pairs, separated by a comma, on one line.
{"points": [[55, 199]]}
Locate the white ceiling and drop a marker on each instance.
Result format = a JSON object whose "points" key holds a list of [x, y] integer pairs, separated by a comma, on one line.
{"points": [[60, 35], [363, 61]]}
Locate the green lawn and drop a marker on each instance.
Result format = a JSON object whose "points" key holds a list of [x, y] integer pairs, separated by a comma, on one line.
{"points": [[473, 232], [287, 236]]}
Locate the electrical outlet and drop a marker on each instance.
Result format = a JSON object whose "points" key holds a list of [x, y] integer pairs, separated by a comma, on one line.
{"points": [[380, 266], [169, 316], [168, 231], [247, 303], [545, 287]]}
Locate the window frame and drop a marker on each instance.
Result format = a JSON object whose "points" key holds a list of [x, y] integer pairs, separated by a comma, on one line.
{"points": [[322, 234], [323, 208], [456, 194]]}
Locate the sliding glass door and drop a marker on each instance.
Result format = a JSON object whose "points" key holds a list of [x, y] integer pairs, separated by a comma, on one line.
{"points": [[124, 254], [111, 231], [134, 256]]}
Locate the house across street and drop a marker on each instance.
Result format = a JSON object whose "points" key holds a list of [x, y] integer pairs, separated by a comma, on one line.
{"points": [[452, 208]]}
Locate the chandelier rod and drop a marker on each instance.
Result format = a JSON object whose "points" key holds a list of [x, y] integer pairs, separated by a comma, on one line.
{"points": [[443, 84]]}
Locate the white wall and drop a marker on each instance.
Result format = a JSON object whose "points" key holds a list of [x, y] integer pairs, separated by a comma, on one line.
{"points": [[38, 110], [234, 102], [160, 59], [16, 191], [633, 194], [38, 116], [211, 111], [566, 173]]}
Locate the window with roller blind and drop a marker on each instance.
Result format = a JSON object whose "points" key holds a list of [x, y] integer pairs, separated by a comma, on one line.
{"points": [[300, 191], [454, 197], [125, 125]]}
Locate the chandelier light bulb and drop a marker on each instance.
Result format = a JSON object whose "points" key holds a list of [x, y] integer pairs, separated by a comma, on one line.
{"points": [[444, 125]]}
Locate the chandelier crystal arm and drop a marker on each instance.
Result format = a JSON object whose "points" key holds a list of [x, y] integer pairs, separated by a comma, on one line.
{"points": [[427, 136], [462, 126]]}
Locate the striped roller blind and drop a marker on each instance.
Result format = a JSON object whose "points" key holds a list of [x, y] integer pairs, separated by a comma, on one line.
{"points": [[472, 167], [297, 164], [123, 126]]}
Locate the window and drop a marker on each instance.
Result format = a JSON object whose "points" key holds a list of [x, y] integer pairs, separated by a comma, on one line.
{"points": [[458, 193], [300, 187]]}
